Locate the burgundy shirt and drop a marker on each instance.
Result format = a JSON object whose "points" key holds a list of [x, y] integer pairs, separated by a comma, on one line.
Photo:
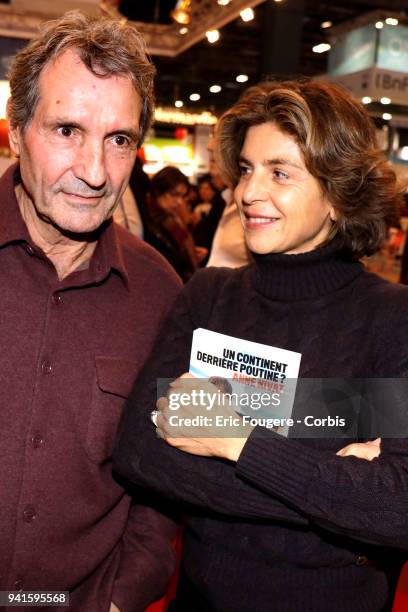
{"points": [[70, 352]]}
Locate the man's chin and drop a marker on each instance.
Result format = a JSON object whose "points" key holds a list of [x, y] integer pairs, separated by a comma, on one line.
{"points": [[83, 228]]}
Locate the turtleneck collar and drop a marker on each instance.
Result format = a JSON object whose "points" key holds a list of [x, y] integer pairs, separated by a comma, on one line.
{"points": [[303, 276]]}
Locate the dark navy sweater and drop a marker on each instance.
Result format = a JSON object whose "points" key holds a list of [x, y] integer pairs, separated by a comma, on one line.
{"points": [[291, 527]]}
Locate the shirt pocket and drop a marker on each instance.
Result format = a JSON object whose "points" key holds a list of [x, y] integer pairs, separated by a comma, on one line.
{"points": [[112, 385]]}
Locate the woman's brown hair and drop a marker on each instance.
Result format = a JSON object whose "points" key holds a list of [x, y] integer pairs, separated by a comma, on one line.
{"points": [[337, 138]]}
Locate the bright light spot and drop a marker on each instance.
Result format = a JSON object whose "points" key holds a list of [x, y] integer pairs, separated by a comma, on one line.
{"points": [[379, 25], [4, 96], [404, 153], [391, 21], [195, 97], [242, 78], [212, 36], [366, 100], [183, 31], [387, 116], [215, 88], [326, 24], [247, 14], [223, 2], [179, 103], [385, 100], [322, 48]]}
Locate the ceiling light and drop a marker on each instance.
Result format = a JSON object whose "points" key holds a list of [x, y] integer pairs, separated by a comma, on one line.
{"points": [[223, 2], [179, 103], [387, 116], [391, 21], [181, 12], [404, 153], [247, 14], [366, 100], [183, 31], [326, 24], [379, 25], [212, 36], [215, 88], [195, 97], [385, 100], [242, 78], [322, 48]]}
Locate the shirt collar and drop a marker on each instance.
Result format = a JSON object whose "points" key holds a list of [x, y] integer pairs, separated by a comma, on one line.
{"points": [[107, 256]]}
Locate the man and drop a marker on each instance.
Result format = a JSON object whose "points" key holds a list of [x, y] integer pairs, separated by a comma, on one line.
{"points": [[80, 300]]}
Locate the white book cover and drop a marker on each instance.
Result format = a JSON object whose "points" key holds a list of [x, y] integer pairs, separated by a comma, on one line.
{"points": [[248, 369]]}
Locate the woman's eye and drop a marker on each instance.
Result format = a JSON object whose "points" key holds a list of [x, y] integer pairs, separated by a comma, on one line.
{"points": [[65, 131], [243, 170], [280, 175]]}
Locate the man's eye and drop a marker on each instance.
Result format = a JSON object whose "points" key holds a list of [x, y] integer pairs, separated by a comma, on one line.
{"points": [[65, 131], [120, 141]]}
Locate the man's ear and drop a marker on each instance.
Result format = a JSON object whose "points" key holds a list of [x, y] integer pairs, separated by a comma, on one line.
{"points": [[14, 132]]}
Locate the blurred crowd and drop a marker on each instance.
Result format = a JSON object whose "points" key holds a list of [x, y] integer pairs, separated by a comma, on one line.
{"points": [[180, 219]]}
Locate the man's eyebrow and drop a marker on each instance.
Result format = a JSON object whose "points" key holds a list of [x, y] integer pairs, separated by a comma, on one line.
{"points": [[65, 121]]}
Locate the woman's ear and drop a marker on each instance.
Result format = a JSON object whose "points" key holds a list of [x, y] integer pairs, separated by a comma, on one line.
{"points": [[332, 213]]}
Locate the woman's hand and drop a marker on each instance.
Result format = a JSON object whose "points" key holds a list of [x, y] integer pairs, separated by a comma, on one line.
{"points": [[193, 418], [363, 450]]}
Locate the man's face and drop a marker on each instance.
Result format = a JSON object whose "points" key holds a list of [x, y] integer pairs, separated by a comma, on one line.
{"points": [[77, 153]]}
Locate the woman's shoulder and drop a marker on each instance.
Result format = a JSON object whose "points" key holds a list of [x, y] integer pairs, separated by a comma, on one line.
{"points": [[383, 291], [218, 278]]}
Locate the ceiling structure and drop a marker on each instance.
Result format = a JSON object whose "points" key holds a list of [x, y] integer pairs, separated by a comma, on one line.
{"points": [[187, 63]]}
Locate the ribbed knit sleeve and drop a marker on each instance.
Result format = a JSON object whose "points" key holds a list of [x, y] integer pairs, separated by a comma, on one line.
{"points": [[366, 500], [144, 459]]}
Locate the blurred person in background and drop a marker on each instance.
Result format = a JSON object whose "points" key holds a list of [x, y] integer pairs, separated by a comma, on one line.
{"points": [[167, 222], [228, 247], [206, 195], [207, 213]]}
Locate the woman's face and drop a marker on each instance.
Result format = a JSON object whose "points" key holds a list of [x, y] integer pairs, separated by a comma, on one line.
{"points": [[206, 191], [173, 199], [282, 206]]}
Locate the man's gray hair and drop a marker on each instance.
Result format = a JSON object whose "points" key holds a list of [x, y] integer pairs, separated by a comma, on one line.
{"points": [[106, 47]]}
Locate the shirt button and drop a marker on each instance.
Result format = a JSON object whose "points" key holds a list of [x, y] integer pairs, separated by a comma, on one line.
{"points": [[37, 440], [46, 367], [57, 299], [29, 249], [18, 585], [361, 560], [29, 514]]}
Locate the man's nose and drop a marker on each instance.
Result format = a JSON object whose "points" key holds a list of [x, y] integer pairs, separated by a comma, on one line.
{"points": [[90, 164]]}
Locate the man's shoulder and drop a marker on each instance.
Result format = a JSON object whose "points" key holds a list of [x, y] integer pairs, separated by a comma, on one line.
{"points": [[142, 260]]}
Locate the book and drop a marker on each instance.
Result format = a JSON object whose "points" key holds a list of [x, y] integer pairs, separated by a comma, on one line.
{"points": [[260, 378]]}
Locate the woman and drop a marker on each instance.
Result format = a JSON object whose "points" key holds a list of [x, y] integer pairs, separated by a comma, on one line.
{"points": [[166, 225], [278, 523], [207, 213]]}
